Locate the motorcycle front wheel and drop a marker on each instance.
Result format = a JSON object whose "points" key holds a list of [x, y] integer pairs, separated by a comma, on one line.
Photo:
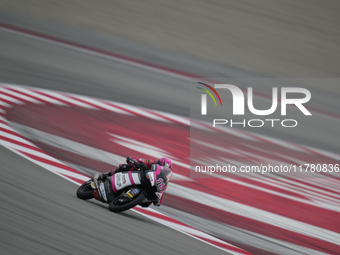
{"points": [[115, 206], [85, 191]]}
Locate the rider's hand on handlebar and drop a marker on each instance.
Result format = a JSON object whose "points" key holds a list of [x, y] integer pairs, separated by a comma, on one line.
{"points": [[131, 160], [136, 163], [143, 166]]}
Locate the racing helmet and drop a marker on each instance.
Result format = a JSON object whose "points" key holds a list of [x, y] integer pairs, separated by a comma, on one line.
{"points": [[164, 162]]}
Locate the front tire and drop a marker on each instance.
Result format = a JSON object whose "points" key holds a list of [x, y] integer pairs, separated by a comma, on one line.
{"points": [[113, 207], [85, 191]]}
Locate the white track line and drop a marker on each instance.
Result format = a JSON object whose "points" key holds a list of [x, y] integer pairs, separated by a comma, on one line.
{"points": [[254, 213], [223, 204]]}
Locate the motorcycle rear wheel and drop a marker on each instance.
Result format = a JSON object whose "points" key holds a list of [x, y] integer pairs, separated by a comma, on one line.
{"points": [[119, 208], [85, 191]]}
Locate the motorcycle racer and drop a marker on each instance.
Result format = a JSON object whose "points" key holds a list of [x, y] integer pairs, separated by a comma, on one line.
{"points": [[135, 164]]}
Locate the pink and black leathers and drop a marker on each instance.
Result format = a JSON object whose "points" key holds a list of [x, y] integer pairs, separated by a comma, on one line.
{"points": [[157, 173]]}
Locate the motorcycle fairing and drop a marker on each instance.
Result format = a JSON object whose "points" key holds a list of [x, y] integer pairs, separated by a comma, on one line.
{"points": [[122, 180]]}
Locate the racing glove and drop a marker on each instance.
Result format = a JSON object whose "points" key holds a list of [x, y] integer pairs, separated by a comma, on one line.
{"points": [[136, 163]]}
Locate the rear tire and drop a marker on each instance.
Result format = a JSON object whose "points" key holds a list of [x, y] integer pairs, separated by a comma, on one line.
{"points": [[85, 191], [119, 208]]}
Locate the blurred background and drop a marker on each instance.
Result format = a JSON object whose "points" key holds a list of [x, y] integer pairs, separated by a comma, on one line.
{"points": [[271, 38], [220, 39]]}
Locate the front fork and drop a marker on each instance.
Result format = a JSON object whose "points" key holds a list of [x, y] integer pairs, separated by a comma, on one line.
{"points": [[102, 190]]}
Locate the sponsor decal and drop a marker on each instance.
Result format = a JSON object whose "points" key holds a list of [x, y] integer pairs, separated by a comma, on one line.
{"points": [[102, 191], [118, 180], [133, 192], [151, 178]]}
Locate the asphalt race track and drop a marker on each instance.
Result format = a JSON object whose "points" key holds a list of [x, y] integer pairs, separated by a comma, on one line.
{"points": [[40, 212]]}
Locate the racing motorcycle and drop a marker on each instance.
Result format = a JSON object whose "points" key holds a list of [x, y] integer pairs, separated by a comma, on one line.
{"points": [[124, 190]]}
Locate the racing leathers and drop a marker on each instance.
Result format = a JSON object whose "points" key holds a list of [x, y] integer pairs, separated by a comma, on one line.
{"points": [[137, 164]]}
